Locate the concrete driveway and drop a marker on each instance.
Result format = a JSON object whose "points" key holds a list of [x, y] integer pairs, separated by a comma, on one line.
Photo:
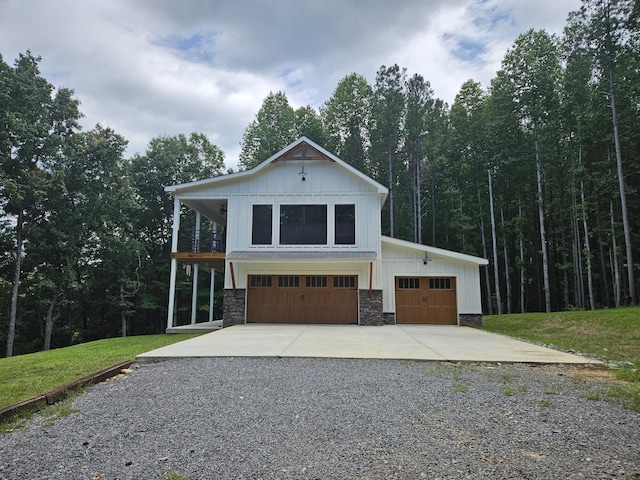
{"points": [[405, 342]]}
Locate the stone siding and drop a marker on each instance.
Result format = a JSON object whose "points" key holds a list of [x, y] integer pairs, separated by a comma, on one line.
{"points": [[234, 308], [371, 307], [470, 319]]}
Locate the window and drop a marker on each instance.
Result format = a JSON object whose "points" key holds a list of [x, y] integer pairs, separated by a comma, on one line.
{"points": [[440, 283], [344, 282], [260, 281], [261, 227], [316, 282], [303, 225], [288, 282], [345, 224], [408, 283]]}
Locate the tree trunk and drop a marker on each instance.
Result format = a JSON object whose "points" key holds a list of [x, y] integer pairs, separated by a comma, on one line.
{"points": [[523, 278], [506, 262], [616, 270], [123, 315], [496, 275], [419, 200], [543, 235], [623, 197], [587, 249], [49, 321], [391, 230], [13, 311]]}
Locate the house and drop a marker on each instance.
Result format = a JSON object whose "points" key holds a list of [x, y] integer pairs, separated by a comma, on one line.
{"points": [[301, 243]]}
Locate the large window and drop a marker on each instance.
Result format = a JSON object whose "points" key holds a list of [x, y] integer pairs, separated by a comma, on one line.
{"points": [[345, 225], [261, 227], [303, 224]]}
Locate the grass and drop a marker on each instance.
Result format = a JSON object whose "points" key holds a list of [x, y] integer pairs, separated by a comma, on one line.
{"points": [[611, 335], [24, 376]]}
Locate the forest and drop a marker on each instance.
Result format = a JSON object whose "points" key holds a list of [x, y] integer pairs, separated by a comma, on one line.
{"points": [[537, 172]]}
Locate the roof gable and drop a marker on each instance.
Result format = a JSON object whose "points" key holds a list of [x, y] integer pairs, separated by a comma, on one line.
{"points": [[434, 251], [302, 149]]}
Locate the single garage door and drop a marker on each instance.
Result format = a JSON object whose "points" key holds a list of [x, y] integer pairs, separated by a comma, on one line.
{"points": [[302, 299], [426, 300]]}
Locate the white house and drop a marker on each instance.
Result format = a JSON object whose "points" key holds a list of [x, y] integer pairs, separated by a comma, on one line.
{"points": [[302, 243]]}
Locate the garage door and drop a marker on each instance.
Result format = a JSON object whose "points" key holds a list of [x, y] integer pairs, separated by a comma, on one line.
{"points": [[302, 299], [426, 300]]}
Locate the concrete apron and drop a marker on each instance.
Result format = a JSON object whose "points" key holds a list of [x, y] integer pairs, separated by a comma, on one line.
{"points": [[404, 342]]}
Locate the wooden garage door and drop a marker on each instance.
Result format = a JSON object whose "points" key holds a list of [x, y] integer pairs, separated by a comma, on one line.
{"points": [[426, 300], [302, 299]]}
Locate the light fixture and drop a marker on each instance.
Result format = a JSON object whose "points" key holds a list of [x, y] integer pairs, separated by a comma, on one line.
{"points": [[426, 259], [303, 174]]}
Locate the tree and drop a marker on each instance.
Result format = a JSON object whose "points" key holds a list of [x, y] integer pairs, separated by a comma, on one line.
{"points": [[388, 112], [35, 121], [271, 131], [167, 161], [532, 69], [609, 25], [347, 116], [419, 103]]}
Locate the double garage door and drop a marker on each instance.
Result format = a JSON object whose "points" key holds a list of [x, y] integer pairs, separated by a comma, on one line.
{"points": [[302, 299], [426, 300]]}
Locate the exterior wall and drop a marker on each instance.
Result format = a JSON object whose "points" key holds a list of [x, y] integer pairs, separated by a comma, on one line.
{"points": [[398, 261], [370, 308], [283, 267], [234, 307], [327, 183]]}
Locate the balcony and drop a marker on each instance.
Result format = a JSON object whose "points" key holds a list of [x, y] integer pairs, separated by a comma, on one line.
{"points": [[212, 254]]}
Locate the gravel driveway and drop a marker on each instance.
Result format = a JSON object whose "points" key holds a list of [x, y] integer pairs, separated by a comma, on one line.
{"points": [[296, 418]]}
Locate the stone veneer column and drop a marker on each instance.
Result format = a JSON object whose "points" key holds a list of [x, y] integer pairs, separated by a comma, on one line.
{"points": [[470, 319], [233, 308], [371, 308]]}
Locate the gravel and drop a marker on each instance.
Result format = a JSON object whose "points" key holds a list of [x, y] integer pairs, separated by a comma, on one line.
{"points": [[296, 418]]}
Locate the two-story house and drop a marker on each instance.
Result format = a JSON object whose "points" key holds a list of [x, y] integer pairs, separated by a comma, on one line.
{"points": [[302, 244]]}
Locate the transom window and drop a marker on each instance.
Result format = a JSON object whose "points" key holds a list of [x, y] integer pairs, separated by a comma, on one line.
{"points": [[303, 224]]}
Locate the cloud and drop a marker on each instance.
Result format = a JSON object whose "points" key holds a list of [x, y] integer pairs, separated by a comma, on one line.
{"points": [[160, 67]]}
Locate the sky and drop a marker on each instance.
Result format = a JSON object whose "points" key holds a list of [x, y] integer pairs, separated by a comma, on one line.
{"points": [[148, 68]]}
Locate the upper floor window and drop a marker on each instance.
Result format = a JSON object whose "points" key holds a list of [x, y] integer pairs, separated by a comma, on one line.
{"points": [[345, 225], [303, 224], [261, 227]]}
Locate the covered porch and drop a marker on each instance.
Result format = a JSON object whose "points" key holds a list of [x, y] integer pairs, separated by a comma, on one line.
{"points": [[206, 252]]}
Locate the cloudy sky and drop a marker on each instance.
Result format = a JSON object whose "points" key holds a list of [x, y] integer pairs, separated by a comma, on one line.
{"points": [[162, 67]]}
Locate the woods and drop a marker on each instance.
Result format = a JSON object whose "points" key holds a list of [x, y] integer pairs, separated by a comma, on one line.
{"points": [[537, 172]]}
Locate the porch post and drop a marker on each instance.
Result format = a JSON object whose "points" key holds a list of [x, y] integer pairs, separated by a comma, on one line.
{"points": [[214, 228], [174, 262], [194, 292], [211, 292]]}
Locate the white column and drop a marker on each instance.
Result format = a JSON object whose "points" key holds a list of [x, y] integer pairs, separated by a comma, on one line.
{"points": [[214, 232], [174, 262], [211, 292], [194, 293]]}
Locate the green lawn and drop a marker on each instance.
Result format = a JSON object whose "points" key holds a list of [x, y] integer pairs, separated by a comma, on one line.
{"points": [[24, 376], [609, 334]]}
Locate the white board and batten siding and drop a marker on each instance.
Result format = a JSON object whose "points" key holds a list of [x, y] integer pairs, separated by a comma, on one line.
{"points": [[403, 259]]}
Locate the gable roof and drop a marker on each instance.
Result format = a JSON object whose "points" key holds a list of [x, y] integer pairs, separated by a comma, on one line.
{"points": [[434, 251], [302, 149]]}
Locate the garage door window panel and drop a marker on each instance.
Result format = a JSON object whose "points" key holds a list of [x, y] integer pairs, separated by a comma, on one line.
{"points": [[303, 224]]}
